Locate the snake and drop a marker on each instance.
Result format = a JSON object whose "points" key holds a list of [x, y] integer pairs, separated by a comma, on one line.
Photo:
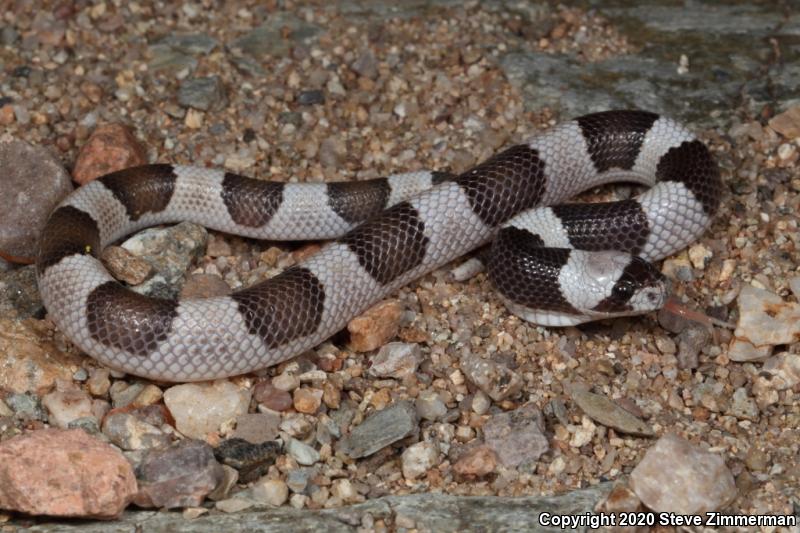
{"points": [[553, 263]]}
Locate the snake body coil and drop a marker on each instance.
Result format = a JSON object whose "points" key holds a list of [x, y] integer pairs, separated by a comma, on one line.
{"points": [[553, 264]]}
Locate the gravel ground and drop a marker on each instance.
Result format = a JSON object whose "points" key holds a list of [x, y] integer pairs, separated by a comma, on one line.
{"points": [[329, 92]]}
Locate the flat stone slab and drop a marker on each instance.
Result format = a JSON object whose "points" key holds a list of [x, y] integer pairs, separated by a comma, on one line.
{"points": [[428, 512]]}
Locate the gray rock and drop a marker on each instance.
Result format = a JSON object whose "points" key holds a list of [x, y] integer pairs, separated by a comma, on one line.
{"points": [[257, 427], [430, 406], [123, 394], [331, 151], [175, 53], [19, 294], [601, 409], [190, 43], [88, 424], [794, 285], [366, 65], [380, 429], [396, 360], [179, 476], [33, 181], [496, 380], [229, 478], [691, 342], [291, 117], [129, 433], [164, 58], [8, 35], [783, 370], [207, 93], [269, 40], [517, 437], [428, 512], [246, 64], [170, 251], [418, 458], [678, 477], [302, 453], [650, 79], [297, 479], [311, 97], [26, 407], [743, 406]]}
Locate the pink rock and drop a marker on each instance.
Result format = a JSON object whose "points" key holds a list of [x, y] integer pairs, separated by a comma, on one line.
{"points": [[64, 473], [376, 326], [478, 462], [111, 147], [675, 476]]}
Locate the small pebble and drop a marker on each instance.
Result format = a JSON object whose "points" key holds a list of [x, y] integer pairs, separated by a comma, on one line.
{"points": [[297, 480], [229, 478], [699, 255], [287, 381], [396, 360], [493, 378], [99, 382], [518, 436], [376, 326], [478, 462], [273, 492], [205, 93], [380, 429], [302, 453], [125, 266], [608, 413], [129, 433], [343, 490], [312, 97], [271, 397], [307, 400], [64, 407], [418, 458], [480, 403], [430, 406], [257, 427], [787, 123], [234, 505], [149, 395]]}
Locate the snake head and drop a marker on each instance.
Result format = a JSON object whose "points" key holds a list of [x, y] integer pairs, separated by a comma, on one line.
{"points": [[631, 285]]}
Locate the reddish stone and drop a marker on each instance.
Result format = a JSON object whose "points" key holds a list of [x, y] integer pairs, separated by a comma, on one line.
{"points": [[64, 473], [307, 400], [272, 398], [477, 462], [376, 326], [111, 147]]}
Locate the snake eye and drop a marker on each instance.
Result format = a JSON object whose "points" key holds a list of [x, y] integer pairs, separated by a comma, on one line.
{"points": [[623, 290]]}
